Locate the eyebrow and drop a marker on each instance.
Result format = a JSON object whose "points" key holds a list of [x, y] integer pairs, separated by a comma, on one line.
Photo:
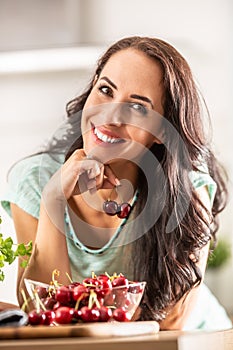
{"points": [[109, 81], [138, 97], [142, 98]]}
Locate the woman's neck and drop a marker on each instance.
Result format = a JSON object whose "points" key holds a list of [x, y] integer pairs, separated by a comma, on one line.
{"points": [[127, 173], [91, 204]]}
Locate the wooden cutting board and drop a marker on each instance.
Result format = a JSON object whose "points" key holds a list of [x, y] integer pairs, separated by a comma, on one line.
{"points": [[103, 329]]}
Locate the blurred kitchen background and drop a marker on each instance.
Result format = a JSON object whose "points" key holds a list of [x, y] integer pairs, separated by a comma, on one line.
{"points": [[48, 50]]}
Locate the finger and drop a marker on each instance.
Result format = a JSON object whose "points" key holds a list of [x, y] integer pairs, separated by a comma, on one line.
{"points": [[107, 184], [94, 170], [85, 184], [81, 184], [111, 177], [88, 164], [91, 184]]}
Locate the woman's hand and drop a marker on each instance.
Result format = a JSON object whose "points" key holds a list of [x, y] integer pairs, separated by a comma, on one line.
{"points": [[80, 174]]}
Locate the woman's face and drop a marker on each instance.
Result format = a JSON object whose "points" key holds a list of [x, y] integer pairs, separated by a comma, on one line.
{"points": [[122, 116]]}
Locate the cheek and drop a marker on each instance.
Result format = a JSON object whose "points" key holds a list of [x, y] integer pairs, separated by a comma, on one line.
{"points": [[92, 109], [142, 137], [92, 100]]}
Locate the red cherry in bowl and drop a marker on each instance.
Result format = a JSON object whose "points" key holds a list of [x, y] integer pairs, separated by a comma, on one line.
{"points": [[120, 281], [63, 315], [47, 316], [105, 314], [63, 295], [41, 291], [80, 292], [90, 282], [49, 303], [89, 315], [121, 315], [104, 288], [34, 318]]}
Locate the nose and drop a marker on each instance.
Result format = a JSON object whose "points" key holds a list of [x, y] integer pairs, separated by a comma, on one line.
{"points": [[115, 114]]}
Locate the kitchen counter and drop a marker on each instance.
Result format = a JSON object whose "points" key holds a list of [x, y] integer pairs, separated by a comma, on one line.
{"points": [[101, 338]]}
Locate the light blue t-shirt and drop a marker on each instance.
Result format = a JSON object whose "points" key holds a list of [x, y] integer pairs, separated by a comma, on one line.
{"points": [[26, 182]]}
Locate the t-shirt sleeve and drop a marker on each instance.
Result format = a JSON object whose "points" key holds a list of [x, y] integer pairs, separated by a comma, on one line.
{"points": [[202, 178], [26, 181]]}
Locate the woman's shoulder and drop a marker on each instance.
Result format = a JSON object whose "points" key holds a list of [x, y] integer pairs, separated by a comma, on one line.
{"points": [[43, 160], [41, 165], [27, 179]]}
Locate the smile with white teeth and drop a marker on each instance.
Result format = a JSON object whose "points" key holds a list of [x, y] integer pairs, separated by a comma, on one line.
{"points": [[106, 138]]}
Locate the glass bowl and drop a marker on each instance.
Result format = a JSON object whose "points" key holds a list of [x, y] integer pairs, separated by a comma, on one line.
{"points": [[108, 301]]}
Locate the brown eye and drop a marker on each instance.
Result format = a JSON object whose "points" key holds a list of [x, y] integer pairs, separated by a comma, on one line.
{"points": [[106, 90]]}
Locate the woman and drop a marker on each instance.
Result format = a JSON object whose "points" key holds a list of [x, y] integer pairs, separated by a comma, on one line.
{"points": [[139, 190]]}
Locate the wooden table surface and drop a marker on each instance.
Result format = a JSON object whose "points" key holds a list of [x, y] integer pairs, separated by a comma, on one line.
{"points": [[161, 340]]}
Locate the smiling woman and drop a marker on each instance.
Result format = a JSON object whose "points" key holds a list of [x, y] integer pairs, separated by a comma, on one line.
{"points": [[135, 137]]}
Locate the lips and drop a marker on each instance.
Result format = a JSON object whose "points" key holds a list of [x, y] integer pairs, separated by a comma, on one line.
{"points": [[105, 136]]}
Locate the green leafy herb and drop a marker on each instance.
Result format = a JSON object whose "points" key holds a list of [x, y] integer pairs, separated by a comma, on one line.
{"points": [[10, 251], [220, 255]]}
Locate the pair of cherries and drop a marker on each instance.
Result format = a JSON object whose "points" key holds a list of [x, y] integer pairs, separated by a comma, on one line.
{"points": [[113, 208]]}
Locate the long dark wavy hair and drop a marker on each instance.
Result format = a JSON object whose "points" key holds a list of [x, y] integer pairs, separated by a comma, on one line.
{"points": [[163, 258]]}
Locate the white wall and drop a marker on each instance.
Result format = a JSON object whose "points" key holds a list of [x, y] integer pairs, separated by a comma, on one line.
{"points": [[32, 104], [32, 107]]}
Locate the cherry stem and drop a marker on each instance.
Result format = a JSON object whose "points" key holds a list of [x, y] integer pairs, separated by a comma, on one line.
{"points": [[55, 273], [107, 275], [95, 299], [39, 304], [89, 285], [79, 299], [91, 300], [93, 275], [51, 289], [69, 278], [114, 276], [25, 301], [119, 193], [114, 188]]}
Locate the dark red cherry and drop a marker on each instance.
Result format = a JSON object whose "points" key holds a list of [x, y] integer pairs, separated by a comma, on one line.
{"points": [[135, 289], [47, 317], [102, 277], [124, 210], [104, 288], [41, 291], [63, 295], [90, 282], [63, 315], [110, 207], [80, 292], [121, 315], [73, 285], [120, 281], [76, 315], [105, 314], [49, 303], [109, 299], [89, 315], [34, 317], [120, 285]]}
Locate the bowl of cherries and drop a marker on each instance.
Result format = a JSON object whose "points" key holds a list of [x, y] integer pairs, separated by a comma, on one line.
{"points": [[99, 298]]}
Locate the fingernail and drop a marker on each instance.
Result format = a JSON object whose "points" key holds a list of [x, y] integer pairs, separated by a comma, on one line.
{"points": [[117, 182]]}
